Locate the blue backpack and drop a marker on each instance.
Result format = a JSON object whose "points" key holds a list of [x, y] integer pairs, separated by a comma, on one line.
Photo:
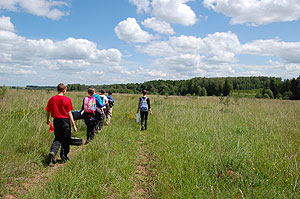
{"points": [[143, 104]]}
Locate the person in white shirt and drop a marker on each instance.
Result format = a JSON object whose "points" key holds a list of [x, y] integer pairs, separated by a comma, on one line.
{"points": [[105, 107]]}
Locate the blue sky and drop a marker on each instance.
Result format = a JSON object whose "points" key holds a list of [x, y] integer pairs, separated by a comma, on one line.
{"points": [[45, 42]]}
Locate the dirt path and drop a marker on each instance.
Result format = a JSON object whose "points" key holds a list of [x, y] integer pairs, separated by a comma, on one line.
{"points": [[143, 176], [40, 177]]}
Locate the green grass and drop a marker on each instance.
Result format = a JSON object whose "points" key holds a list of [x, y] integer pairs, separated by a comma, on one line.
{"points": [[246, 93], [199, 148]]}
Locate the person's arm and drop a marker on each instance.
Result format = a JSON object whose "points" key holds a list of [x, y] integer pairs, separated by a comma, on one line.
{"points": [[82, 107], [72, 121], [149, 107], [48, 118], [138, 109], [107, 104]]}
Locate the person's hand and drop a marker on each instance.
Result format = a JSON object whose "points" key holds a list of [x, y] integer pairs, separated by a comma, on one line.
{"points": [[150, 112], [48, 121], [75, 128]]}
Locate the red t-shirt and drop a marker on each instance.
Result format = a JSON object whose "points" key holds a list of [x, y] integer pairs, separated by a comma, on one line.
{"points": [[59, 106]]}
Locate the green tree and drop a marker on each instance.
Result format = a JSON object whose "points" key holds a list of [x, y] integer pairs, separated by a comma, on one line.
{"points": [[203, 92], [269, 93], [228, 88]]}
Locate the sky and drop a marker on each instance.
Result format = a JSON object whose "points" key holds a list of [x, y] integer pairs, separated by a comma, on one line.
{"points": [[46, 42]]}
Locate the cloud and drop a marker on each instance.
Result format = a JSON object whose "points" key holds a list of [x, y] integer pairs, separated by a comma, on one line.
{"points": [[22, 56], [288, 51], [152, 73], [174, 11], [129, 30], [216, 55], [18, 70], [170, 11], [45, 8], [158, 26], [142, 5], [255, 12], [6, 25], [215, 48]]}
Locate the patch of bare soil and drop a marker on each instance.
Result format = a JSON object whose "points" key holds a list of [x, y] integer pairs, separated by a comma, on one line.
{"points": [[230, 173], [109, 190], [143, 176]]}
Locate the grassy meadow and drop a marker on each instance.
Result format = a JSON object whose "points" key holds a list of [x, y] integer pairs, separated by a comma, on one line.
{"points": [[195, 147]]}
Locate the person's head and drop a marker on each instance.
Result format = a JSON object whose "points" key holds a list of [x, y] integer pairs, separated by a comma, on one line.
{"points": [[144, 92], [61, 88], [109, 92], [102, 91], [91, 91]]}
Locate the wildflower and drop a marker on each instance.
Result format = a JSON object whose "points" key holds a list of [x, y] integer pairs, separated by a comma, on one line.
{"points": [[254, 169]]}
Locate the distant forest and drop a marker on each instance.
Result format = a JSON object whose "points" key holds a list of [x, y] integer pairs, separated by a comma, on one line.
{"points": [[264, 87]]}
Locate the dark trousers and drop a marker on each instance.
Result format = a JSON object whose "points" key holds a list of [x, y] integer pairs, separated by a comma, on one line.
{"points": [[62, 132], [99, 120], [90, 122], [144, 118]]}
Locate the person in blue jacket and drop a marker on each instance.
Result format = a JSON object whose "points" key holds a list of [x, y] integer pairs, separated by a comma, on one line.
{"points": [[99, 116]]}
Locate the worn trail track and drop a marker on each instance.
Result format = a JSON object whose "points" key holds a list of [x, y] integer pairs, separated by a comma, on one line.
{"points": [[40, 177], [143, 178]]}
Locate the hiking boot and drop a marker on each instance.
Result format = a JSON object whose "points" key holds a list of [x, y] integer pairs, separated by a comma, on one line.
{"points": [[52, 157], [65, 159], [143, 128]]}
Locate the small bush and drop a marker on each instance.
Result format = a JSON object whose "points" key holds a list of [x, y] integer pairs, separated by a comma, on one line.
{"points": [[259, 95], [266, 96], [287, 95], [269, 93], [3, 91]]}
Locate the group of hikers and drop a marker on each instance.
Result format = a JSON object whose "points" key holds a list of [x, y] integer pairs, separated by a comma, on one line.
{"points": [[95, 108]]}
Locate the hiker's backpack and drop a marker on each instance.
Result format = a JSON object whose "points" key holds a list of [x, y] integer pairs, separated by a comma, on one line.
{"points": [[143, 104], [97, 97], [110, 101], [89, 105]]}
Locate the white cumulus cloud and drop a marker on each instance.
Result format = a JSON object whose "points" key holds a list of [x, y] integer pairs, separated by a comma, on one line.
{"points": [[129, 30], [256, 12], [46, 8], [142, 5], [170, 11], [158, 26], [22, 56], [216, 55], [288, 51], [6, 25], [174, 11]]}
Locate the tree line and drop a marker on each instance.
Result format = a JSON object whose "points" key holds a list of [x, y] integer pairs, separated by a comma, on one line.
{"points": [[266, 87]]}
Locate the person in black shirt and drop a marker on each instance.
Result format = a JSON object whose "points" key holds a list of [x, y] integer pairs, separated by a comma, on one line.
{"points": [[144, 108]]}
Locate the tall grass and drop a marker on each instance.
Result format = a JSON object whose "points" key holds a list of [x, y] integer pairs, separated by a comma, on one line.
{"points": [[208, 150], [200, 148], [24, 140]]}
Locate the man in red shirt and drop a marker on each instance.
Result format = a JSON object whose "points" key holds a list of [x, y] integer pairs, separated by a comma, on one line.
{"points": [[60, 106]]}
